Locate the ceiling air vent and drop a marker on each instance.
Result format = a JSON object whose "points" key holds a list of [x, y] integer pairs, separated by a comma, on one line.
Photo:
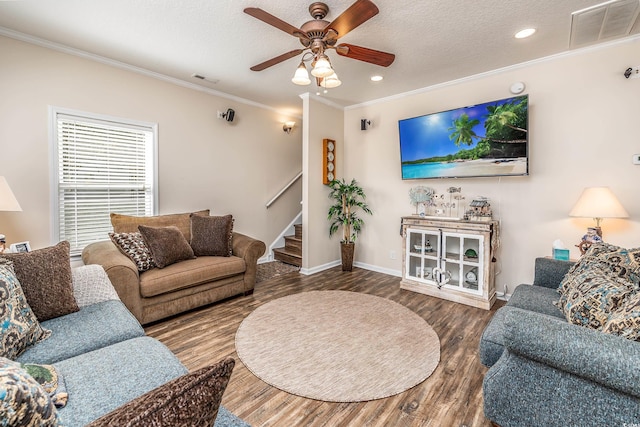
{"points": [[609, 20]]}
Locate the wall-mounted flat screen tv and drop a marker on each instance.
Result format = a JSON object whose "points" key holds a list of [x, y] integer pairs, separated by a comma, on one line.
{"points": [[489, 139]]}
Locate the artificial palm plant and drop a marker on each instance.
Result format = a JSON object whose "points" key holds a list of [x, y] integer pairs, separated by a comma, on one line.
{"points": [[348, 199]]}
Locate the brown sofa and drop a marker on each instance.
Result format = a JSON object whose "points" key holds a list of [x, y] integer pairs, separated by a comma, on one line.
{"points": [[159, 293]]}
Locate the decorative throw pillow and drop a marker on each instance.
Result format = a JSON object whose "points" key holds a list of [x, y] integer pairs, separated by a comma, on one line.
{"points": [[167, 245], [133, 246], [49, 379], [45, 277], [625, 320], [581, 271], [19, 327], [129, 223], [591, 302], [212, 235], [190, 400], [624, 263], [23, 402]]}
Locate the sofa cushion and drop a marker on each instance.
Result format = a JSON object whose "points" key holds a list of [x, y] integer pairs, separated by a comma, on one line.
{"points": [[536, 298], [102, 380], [212, 235], [625, 319], [167, 245], [23, 401], [19, 327], [189, 273], [129, 224], [190, 400], [93, 327], [134, 246], [45, 277]]}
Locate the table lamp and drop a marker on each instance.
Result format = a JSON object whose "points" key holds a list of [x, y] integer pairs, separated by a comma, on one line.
{"points": [[597, 203], [8, 202]]}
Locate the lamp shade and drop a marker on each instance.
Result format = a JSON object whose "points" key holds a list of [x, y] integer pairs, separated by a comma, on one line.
{"points": [[322, 67], [598, 202], [301, 76], [8, 201], [331, 81]]}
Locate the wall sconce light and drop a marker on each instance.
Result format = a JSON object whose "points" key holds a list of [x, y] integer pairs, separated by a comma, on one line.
{"points": [[288, 127], [364, 124], [227, 115]]}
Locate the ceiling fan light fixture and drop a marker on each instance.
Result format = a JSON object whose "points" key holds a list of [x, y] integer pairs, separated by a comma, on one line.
{"points": [[331, 81], [322, 67], [301, 76]]}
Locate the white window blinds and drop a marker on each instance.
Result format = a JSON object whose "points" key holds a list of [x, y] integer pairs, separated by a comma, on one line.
{"points": [[103, 166]]}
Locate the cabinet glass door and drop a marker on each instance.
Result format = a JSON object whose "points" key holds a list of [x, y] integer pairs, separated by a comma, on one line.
{"points": [[423, 254], [462, 261]]}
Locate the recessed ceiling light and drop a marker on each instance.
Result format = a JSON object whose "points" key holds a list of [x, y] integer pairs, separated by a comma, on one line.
{"points": [[525, 33], [376, 78]]}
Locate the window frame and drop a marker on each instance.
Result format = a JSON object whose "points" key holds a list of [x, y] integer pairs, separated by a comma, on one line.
{"points": [[54, 112]]}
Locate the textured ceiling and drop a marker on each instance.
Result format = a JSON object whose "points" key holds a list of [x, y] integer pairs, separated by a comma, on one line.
{"points": [[434, 41]]}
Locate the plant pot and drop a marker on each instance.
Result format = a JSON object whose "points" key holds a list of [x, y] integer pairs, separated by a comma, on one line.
{"points": [[346, 252]]}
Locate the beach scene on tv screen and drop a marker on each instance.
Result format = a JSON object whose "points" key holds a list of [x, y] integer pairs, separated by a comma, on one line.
{"points": [[487, 139]]}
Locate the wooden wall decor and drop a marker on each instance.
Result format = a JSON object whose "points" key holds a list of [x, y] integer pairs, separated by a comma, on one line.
{"points": [[328, 160]]}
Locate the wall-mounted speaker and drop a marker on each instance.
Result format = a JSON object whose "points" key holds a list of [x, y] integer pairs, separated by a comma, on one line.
{"points": [[229, 115]]}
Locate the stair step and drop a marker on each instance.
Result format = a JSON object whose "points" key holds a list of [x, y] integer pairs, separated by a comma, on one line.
{"points": [[298, 228], [281, 254], [293, 244]]}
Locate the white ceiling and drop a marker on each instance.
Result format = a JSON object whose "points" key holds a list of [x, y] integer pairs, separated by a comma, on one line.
{"points": [[434, 41]]}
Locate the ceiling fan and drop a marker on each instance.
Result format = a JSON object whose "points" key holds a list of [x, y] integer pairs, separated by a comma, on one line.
{"points": [[318, 35]]}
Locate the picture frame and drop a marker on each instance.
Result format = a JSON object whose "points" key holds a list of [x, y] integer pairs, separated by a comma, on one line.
{"points": [[20, 247]]}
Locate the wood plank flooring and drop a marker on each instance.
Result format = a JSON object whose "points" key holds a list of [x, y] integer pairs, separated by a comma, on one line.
{"points": [[451, 396]]}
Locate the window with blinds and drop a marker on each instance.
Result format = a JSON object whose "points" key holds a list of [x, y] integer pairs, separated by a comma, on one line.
{"points": [[102, 165]]}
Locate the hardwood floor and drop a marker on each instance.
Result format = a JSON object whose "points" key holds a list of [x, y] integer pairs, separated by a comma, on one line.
{"points": [[451, 396]]}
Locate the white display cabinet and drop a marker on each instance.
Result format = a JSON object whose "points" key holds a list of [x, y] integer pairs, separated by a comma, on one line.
{"points": [[450, 259]]}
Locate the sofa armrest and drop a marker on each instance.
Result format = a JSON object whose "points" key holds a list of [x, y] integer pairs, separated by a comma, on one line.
{"points": [[607, 359], [122, 272], [250, 250], [91, 285], [550, 272]]}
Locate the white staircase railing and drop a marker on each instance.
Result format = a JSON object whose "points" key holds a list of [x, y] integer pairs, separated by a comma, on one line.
{"points": [[284, 189]]}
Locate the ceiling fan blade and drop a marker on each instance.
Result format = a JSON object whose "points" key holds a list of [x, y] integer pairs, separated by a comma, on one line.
{"points": [[358, 13], [365, 54], [276, 22], [276, 60]]}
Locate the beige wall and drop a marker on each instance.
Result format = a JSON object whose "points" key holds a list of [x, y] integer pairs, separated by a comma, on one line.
{"points": [[322, 121], [583, 132], [204, 162]]}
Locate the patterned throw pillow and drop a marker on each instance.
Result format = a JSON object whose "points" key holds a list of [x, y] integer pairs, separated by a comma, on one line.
{"points": [[133, 246], [212, 235], [48, 377], [625, 320], [45, 278], [190, 400], [167, 245], [23, 402], [590, 302], [19, 327], [584, 264]]}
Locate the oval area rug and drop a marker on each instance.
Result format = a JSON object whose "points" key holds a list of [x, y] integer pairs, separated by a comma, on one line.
{"points": [[338, 346]]}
